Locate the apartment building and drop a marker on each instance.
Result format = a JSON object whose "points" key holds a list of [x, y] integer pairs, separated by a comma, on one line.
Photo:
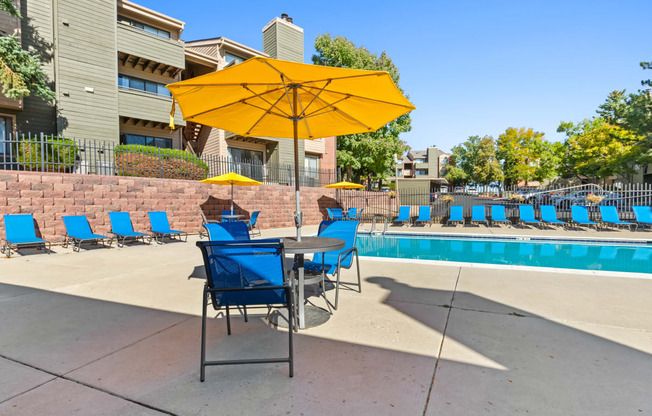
{"points": [[108, 62], [422, 170]]}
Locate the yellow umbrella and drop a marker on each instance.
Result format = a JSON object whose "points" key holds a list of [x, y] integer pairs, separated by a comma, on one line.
{"points": [[344, 185], [232, 178], [271, 98]]}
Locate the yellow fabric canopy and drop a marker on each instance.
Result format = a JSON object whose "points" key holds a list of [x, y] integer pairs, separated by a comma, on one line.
{"points": [[344, 185], [256, 98], [232, 178]]}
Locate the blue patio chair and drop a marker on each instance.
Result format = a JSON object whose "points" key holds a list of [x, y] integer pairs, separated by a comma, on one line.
{"points": [[350, 213], [251, 224], [526, 215], [549, 215], [498, 215], [424, 215], [123, 229], [160, 227], [332, 262], [227, 212], [20, 231], [78, 231], [330, 213], [643, 215], [478, 214], [228, 231], [403, 215], [357, 215], [241, 274], [609, 216], [457, 214], [205, 221], [337, 213], [580, 216]]}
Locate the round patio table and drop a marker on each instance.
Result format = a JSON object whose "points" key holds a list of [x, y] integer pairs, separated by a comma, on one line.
{"points": [[311, 316]]}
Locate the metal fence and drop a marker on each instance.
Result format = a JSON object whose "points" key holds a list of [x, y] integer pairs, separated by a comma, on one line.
{"points": [[622, 197], [43, 153]]}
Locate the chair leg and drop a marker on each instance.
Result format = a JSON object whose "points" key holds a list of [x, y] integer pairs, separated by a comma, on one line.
{"points": [[228, 321], [289, 294], [357, 265], [246, 319], [202, 367], [337, 287]]}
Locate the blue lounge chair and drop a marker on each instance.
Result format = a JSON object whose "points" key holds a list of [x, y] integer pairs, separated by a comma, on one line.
{"points": [[205, 221], [549, 215], [424, 215], [580, 216], [20, 231], [337, 213], [228, 231], [403, 215], [478, 214], [609, 216], [241, 274], [123, 229], [643, 215], [351, 213], [251, 224], [78, 231], [160, 227], [457, 214], [329, 211], [357, 215], [332, 262], [526, 215], [498, 215]]}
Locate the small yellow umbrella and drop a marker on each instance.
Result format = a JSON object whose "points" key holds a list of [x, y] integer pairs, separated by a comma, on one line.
{"points": [[344, 185], [232, 178]]}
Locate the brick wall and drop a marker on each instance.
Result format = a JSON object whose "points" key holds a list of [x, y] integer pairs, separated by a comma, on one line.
{"points": [[48, 196]]}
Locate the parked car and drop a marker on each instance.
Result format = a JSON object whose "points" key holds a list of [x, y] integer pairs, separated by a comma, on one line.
{"points": [[458, 189], [564, 201], [472, 190]]}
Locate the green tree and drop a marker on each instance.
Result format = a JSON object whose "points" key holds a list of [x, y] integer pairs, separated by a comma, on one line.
{"points": [[526, 156], [596, 149], [477, 159], [369, 155], [20, 71]]}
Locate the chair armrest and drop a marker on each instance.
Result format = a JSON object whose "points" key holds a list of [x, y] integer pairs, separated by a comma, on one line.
{"points": [[344, 253], [242, 289]]}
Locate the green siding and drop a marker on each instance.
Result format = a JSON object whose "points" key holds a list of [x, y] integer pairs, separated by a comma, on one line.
{"points": [[289, 43], [269, 41], [147, 107], [136, 42]]}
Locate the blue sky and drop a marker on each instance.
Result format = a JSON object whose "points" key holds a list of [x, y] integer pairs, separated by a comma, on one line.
{"points": [[470, 67]]}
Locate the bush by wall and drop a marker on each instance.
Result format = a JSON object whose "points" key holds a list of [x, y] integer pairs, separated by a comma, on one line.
{"points": [[47, 154], [155, 162]]}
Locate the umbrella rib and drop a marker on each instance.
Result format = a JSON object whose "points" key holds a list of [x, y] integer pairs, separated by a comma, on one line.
{"points": [[361, 97], [243, 100], [320, 110], [304, 119], [264, 114], [314, 98], [268, 111], [263, 98], [373, 74], [281, 73], [294, 111], [337, 109]]}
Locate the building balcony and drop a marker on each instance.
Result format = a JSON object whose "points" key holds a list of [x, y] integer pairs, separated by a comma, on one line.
{"points": [[140, 105], [150, 52]]}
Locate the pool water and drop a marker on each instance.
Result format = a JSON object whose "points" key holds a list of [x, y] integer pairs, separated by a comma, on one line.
{"points": [[617, 257]]}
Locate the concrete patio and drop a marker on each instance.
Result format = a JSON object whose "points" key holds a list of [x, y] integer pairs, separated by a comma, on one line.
{"points": [[116, 331]]}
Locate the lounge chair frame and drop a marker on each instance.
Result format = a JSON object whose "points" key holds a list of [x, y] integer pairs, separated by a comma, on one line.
{"points": [[449, 220], [574, 222], [6, 246], [67, 239], [484, 215]]}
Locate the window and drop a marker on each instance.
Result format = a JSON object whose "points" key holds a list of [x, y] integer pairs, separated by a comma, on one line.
{"points": [[146, 141], [420, 160], [245, 155], [229, 57], [312, 166], [421, 172], [399, 172], [444, 161], [6, 127], [147, 28], [133, 83]]}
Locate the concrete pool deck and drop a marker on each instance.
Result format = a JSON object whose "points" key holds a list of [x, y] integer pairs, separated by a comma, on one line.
{"points": [[116, 331]]}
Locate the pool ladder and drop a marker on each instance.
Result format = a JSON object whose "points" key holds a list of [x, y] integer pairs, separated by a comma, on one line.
{"points": [[373, 226]]}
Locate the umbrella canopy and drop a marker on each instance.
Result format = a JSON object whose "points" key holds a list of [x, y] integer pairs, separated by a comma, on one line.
{"points": [[271, 98], [344, 185], [231, 178]]}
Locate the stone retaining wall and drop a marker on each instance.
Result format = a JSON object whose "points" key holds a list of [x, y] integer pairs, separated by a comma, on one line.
{"points": [[48, 196]]}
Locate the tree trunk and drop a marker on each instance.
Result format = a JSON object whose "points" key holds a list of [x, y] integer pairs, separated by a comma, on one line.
{"points": [[349, 173], [380, 184]]}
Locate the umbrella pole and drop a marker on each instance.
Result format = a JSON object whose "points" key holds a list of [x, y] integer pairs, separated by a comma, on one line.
{"points": [[232, 198], [295, 122]]}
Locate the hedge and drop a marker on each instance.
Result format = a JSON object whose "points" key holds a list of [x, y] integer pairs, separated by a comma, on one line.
{"points": [[52, 154], [155, 162]]}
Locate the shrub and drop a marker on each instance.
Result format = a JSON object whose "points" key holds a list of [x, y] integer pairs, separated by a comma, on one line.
{"points": [[447, 198], [593, 198], [51, 154], [155, 162]]}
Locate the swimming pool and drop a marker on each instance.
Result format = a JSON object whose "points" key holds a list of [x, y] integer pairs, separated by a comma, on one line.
{"points": [[584, 255]]}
